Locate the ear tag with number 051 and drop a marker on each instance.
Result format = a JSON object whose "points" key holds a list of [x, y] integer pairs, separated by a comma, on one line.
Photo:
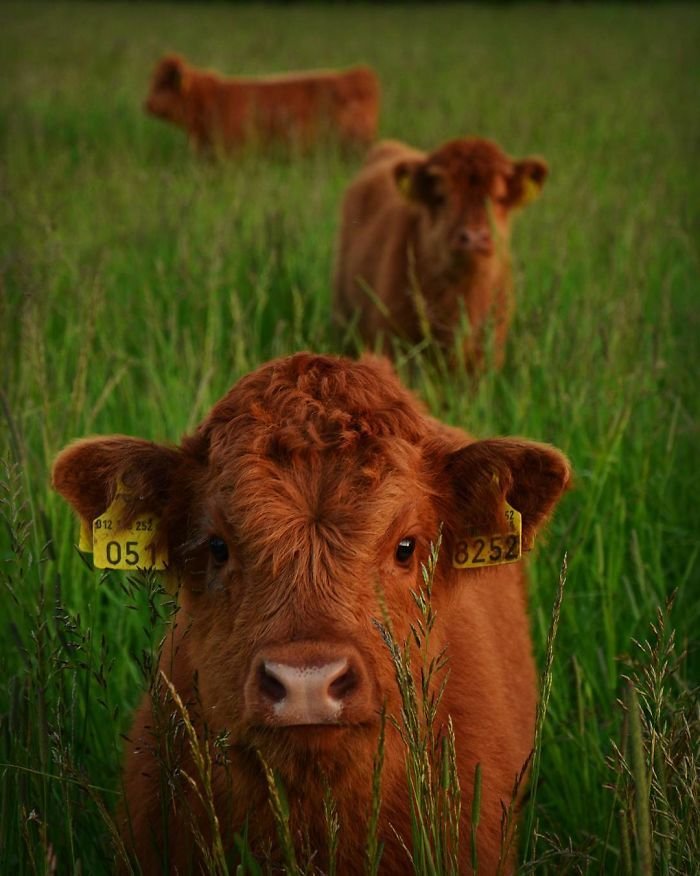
{"points": [[116, 546], [478, 551]]}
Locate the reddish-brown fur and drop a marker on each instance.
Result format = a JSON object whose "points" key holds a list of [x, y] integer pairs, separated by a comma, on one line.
{"points": [[312, 469], [223, 114], [428, 235]]}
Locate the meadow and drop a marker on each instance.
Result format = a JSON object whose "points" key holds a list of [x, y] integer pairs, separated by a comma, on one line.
{"points": [[138, 283]]}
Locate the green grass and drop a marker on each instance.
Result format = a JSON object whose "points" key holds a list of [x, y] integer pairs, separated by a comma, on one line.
{"points": [[139, 283]]}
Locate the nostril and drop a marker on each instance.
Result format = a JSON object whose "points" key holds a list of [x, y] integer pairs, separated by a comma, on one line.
{"points": [[342, 686], [270, 686]]}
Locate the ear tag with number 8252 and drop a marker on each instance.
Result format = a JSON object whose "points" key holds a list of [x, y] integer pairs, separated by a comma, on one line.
{"points": [[478, 551], [116, 546]]}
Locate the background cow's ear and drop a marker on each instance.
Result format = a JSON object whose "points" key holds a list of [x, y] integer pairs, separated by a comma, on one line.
{"points": [[418, 180], [526, 182], [172, 74], [530, 477], [88, 473]]}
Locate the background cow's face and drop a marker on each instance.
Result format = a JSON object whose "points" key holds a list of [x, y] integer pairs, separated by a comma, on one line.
{"points": [[166, 98], [466, 191], [307, 498]]}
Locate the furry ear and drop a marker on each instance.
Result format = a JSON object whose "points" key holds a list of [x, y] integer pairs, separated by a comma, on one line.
{"points": [[171, 73], [420, 181], [88, 474], [530, 477], [526, 181]]}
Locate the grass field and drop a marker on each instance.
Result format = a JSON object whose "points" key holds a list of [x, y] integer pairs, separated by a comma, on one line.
{"points": [[138, 284]]}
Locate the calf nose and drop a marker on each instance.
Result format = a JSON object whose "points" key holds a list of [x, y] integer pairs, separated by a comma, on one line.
{"points": [[475, 240], [306, 694], [308, 684]]}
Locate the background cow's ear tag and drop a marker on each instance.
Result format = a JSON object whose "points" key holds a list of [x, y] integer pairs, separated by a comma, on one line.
{"points": [[479, 551], [404, 183], [116, 546], [531, 191]]}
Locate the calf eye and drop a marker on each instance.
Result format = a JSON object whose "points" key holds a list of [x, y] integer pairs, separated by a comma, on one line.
{"points": [[219, 550], [404, 549]]}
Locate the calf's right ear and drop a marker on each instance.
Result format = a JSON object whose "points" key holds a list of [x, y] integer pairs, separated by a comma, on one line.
{"points": [[418, 180], [90, 472]]}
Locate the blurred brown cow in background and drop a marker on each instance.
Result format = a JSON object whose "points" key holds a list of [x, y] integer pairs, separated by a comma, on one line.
{"points": [[293, 109], [301, 509], [424, 238]]}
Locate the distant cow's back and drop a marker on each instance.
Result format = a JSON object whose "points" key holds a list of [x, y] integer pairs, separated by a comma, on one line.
{"points": [[296, 109]]}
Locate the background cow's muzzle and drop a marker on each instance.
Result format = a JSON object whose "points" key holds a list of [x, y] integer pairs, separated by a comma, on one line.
{"points": [[308, 683], [474, 240]]}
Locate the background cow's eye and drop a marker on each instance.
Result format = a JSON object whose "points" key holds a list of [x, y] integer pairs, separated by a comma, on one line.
{"points": [[404, 549], [219, 549]]}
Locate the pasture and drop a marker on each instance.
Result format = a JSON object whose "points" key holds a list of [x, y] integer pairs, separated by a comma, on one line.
{"points": [[138, 283]]}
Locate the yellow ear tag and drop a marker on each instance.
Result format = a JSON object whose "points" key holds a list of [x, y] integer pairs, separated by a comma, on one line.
{"points": [[479, 551], [531, 191], [85, 540], [133, 547], [404, 184]]}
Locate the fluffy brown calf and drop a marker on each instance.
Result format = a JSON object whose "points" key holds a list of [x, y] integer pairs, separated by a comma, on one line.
{"points": [[424, 241], [292, 109], [315, 484]]}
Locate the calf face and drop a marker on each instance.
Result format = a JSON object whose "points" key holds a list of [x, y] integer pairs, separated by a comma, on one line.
{"points": [[300, 510], [467, 190]]}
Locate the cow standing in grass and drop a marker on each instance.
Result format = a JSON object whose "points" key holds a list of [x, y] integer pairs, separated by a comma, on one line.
{"points": [[424, 245], [295, 109], [297, 515]]}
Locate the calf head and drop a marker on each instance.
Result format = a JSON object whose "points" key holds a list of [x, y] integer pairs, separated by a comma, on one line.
{"points": [[169, 87], [466, 191], [302, 508]]}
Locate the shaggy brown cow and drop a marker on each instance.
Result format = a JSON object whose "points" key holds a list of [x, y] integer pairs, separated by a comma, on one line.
{"points": [[424, 241], [313, 486], [292, 109]]}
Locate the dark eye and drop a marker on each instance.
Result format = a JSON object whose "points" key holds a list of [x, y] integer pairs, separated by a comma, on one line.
{"points": [[219, 550], [404, 550]]}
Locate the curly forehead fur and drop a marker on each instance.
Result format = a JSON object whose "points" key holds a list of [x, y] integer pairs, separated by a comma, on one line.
{"points": [[306, 404], [471, 158]]}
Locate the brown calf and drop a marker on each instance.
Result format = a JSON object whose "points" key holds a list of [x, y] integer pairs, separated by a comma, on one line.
{"points": [[424, 241], [314, 485], [292, 109]]}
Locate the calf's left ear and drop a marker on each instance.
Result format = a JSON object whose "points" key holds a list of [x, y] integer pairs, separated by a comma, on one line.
{"points": [[526, 181], [484, 475]]}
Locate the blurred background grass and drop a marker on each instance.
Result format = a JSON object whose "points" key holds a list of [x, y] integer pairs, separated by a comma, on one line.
{"points": [[138, 283]]}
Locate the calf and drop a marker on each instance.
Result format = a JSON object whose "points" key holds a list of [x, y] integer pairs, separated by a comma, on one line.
{"points": [[292, 109], [298, 513], [424, 241]]}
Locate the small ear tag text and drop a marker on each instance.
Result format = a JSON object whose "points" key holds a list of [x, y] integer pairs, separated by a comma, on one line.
{"points": [[116, 546], [478, 551]]}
